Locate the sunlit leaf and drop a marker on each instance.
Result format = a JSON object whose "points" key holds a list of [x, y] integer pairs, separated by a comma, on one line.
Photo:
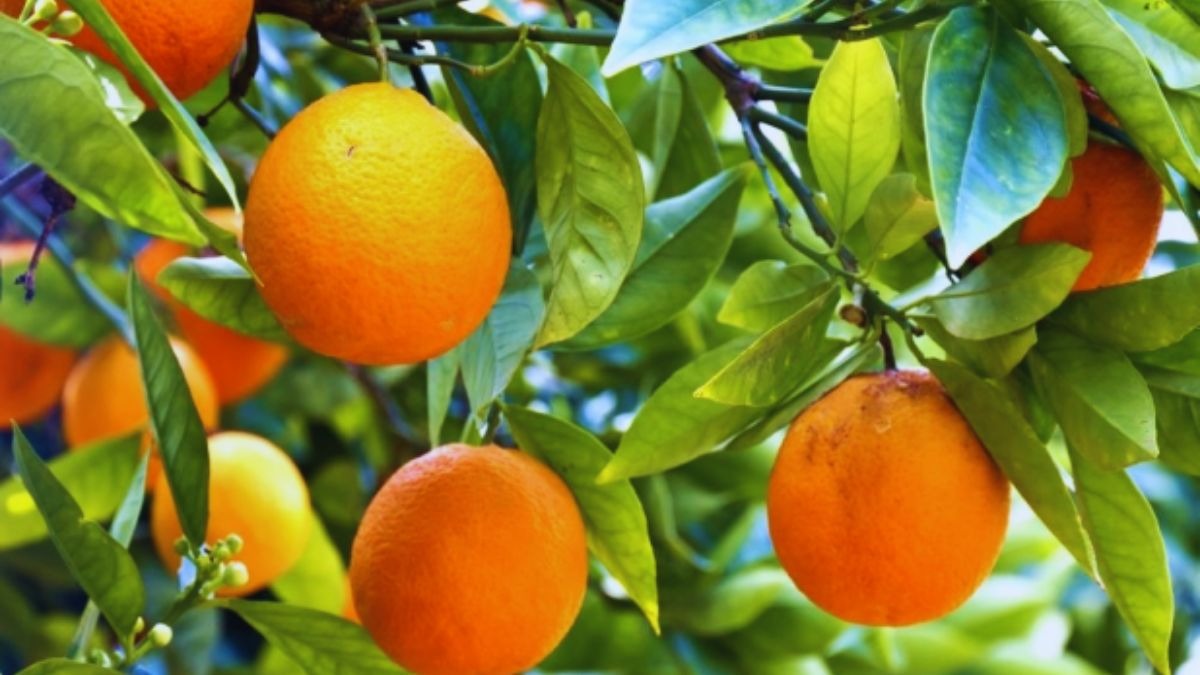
{"points": [[221, 291]]}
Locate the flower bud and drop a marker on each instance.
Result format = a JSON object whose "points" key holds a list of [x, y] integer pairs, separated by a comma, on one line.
{"points": [[236, 575], [45, 10], [160, 635], [67, 24]]}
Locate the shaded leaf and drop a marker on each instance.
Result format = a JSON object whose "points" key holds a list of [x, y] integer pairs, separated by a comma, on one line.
{"points": [[1136, 317], [1177, 419], [441, 374], [492, 354], [897, 217], [222, 291], [734, 602], [58, 315], [770, 291], [994, 357]]}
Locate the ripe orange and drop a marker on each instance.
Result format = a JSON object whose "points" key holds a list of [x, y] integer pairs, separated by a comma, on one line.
{"points": [[239, 364], [31, 374], [378, 227], [1113, 209], [187, 43], [883, 506], [470, 560], [103, 397], [256, 492]]}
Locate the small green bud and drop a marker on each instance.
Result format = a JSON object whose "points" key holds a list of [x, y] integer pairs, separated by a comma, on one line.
{"points": [[139, 625], [45, 10], [100, 658], [234, 543], [220, 552], [160, 635], [182, 547], [236, 575], [67, 24]]}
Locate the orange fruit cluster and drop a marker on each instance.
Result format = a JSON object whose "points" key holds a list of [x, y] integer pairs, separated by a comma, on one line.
{"points": [[884, 507]]}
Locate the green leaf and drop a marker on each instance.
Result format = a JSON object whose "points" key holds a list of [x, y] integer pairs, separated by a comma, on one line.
{"points": [[770, 367], [57, 666], [1014, 288], [59, 315], [316, 580], [98, 563], [1015, 446], [684, 243], [125, 520], [674, 427], [222, 291], [770, 291], [1068, 91], [440, 374], [501, 111], [118, 95], [178, 431], [616, 524], [98, 19], [910, 71], [53, 112], [1181, 357], [985, 175], [96, 475], [1177, 419], [846, 364], [1137, 317], [854, 127], [897, 217], [1169, 39], [1102, 402], [994, 357], [685, 153], [492, 354], [652, 29], [1130, 555], [591, 202], [734, 602], [317, 642], [1109, 59], [786, 53]]}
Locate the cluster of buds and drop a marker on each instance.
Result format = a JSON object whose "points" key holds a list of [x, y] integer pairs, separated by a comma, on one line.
{"points": [[215, 567], [61, 22], [159, 636]]}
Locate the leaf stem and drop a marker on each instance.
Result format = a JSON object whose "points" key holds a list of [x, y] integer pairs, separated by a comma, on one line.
{"points": [[770, 92], [784, 124]]}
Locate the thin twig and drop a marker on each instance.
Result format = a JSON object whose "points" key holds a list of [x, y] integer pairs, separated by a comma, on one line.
{"points": [[420, 82], [403, 9], [397, 426], [785, 124], [376, 41], [769, 92], [568, 14], [491, 34], [255, 117]]}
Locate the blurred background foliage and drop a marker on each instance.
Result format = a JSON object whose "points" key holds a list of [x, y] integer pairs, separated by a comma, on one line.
{"points": [[727, 607]]}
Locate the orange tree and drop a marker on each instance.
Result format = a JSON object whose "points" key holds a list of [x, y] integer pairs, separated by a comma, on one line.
{"points": [[623, 336]]}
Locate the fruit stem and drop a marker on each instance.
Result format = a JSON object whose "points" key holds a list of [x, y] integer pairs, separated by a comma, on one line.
{"points": [[376, 41], [889, 349]]}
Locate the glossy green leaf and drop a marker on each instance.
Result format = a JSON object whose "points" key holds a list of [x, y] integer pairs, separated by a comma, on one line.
{"points": [[684, 243], [441, 374], [125, 520], [685, 154], [1136, 317], [96, 476], [317, 579], [53, 112], [99, 20], [501, 111], [910, 73], [1109, 59], [616, 524], [221, 291], [1130, 555], [1013, 289], [853, 127], [984, 175], [181, 439], [59, 314], [1068, 91], [849, 362], [1167, 36], [674, 427], [770, 367], [1181, 357], [786, 53], [734, 602], [770, 291], [1021, 455], [492, 354], [97, 562], [591, 201], [118, 95], [897, 217], [994, 357], [652, 29], [1102, 402], [1177, 419], [317, 642], [65, 667]]}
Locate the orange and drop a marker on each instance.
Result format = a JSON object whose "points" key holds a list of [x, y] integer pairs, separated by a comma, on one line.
{"points": [[187, 43], [378, 227], [470, 560], [256, 492], [1113, 209], [239, 364], [31, 374], [103, 398], [883, 506], [348, 610]]}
